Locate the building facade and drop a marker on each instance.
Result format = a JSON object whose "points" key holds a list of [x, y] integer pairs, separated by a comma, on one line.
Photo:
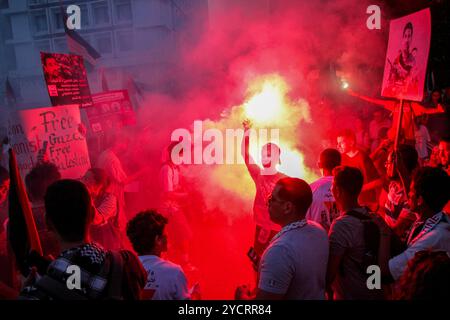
{"points": [[135, 38]]}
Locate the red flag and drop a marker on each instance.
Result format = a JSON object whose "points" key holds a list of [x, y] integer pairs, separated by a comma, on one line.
{"points": [[77, 44], [22, 233]]}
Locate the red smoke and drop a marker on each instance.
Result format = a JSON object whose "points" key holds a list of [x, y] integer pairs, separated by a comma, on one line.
{"points": [[299, 41]]}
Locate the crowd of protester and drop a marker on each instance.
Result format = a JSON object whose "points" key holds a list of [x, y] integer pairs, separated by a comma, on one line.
{"points": [[379, 203]]}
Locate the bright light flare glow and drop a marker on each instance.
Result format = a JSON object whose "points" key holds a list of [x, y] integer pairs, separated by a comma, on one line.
{"points": [[267, 104]]}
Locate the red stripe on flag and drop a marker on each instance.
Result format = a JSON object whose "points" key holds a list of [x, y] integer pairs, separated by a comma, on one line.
{"points": [[16, 182]]}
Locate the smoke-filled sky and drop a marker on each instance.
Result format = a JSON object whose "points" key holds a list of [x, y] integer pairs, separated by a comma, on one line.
{"points": [[294, 46], [229, 68], [291, 45], [297, 41]]}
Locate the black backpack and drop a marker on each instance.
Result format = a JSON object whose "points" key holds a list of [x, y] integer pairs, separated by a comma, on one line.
{"points": [[372, 240], [112, 271]]}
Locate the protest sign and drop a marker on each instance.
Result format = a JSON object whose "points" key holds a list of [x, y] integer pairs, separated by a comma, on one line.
{"points": [[53, 131], [66, 79], [407, 56], [110, 110]]}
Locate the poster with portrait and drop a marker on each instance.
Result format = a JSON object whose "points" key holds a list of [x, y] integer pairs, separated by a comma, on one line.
{"points": [[407, 56], [66, 79], [49, 134], [111, 110]]}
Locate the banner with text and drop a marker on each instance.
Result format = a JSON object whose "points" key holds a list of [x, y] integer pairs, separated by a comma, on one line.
{"points": [[111, 110], [53, 133], [66, 79]]}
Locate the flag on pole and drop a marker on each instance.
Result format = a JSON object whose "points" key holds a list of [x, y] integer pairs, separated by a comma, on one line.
{"points": [[22, 233], [135, 92], [76, 43], [133, 87]]}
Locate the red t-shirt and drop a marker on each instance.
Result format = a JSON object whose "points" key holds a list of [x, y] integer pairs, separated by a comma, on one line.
{"points": [[362, 161]]}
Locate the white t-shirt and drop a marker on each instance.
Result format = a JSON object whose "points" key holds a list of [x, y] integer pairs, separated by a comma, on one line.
{"points": [[295, 264], [422, 140], [109, 162], [437, 238], [323, 209], [165, 280]]}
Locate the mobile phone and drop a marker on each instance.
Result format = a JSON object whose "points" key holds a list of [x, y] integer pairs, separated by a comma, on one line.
{"points": [[253, 256]]}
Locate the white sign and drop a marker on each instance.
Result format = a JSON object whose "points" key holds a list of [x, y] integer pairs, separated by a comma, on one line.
{"points": [[53, 131]]}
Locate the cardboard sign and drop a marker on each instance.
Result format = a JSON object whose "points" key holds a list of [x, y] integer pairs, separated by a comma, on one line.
{"points": [[53, 131], [407, 56], [111, 110], [66, 79]]}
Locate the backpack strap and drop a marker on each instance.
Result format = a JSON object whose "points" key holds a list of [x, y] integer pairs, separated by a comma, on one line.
{"points": [[58, 290], [358, 215], [371, 234], [115, 275]]}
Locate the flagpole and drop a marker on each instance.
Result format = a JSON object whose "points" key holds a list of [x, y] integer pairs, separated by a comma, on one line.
{"points": [[399, 125]]}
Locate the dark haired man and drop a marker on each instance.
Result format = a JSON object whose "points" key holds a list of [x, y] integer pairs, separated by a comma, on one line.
{"points": [[52, 69], [265, 179], [37, 182], [396, 209], [323, 208], [293, 267], [165, 280], [403, 70], [429, 192], [444, 153], [354, 157], [102, 274], [346, 274]]}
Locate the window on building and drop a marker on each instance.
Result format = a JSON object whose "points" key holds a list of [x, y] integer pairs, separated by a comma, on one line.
{"points": [[7, 28], [35, 2], [4, 4], [42, 46], [103, 43], [60, 45], [39, 21], [157, 38], [101, 13], [57, 20], [125, 40], [85, 18], [123, 10]]}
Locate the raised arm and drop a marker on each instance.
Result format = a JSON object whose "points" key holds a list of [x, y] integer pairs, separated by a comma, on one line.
{"points": [[253, 169], [387, 104], [419, 109]]}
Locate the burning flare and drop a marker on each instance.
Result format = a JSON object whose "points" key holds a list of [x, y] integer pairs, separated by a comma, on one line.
{"points": [[270, 107]]}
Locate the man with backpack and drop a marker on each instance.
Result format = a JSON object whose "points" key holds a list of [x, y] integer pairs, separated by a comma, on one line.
{"points": [[84, 270], [350, 249]]}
